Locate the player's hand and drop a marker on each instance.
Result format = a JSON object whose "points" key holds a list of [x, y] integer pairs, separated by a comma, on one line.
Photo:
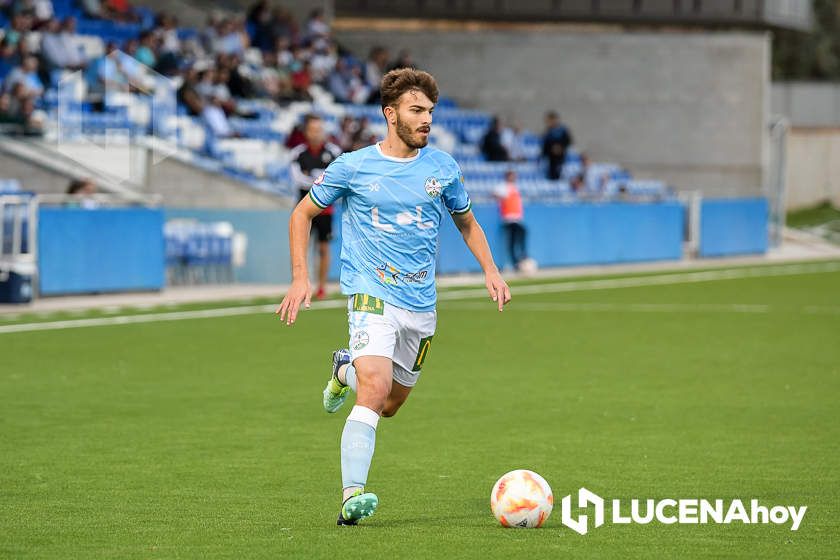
{"points": [[498, 288], [299, 292]]}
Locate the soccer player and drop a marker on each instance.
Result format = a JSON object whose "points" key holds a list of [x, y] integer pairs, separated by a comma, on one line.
{"points": [[394, 195]]}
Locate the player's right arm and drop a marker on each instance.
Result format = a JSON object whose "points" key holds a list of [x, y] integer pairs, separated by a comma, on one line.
{"points": [[300, 292], [328, 188]]}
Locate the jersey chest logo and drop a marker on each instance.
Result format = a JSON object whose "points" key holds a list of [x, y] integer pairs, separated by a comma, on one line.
{"points": [[433, 187]]}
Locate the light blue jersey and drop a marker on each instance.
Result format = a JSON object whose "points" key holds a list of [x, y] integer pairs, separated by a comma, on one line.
{"points": [[392, 210]]}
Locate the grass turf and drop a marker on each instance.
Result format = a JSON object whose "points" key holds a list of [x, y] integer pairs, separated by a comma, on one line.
{"points": [[206, 438]]}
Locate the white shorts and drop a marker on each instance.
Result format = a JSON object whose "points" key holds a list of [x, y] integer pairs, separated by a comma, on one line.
{"points": [[381, 329]]}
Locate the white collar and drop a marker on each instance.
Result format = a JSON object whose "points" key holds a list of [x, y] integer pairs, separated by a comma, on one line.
{"points": [[399, 159]]}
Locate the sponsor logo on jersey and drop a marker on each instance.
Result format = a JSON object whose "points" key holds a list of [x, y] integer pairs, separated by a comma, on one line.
{"points": [[368, 304], [320, 178], [390, 276]]}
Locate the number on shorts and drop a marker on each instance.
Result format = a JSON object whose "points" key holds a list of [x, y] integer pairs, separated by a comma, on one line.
{"points": [[422, 353]]}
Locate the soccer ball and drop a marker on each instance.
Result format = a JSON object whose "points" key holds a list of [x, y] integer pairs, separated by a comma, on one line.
{"points": [[521, 498]]}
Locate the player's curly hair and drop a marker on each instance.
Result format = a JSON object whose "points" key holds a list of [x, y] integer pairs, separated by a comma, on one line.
{"points": [[397, 82]]}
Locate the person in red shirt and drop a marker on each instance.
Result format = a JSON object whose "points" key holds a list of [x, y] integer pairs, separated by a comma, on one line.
{"points": [[513, 217]]}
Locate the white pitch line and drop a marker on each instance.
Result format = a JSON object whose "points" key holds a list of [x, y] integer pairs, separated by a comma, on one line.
{"points": [[557, 287], [554, 306]]}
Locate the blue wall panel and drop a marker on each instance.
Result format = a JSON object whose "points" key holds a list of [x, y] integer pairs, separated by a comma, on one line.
{"points": [[576, 234], [106, 250], [733, 227]]}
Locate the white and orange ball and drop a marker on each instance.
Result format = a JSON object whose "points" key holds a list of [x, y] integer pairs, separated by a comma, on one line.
{"points": [[521, 498]]}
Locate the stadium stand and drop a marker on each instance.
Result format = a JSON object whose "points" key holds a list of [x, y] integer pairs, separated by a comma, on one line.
{"points": [[241, 85]]}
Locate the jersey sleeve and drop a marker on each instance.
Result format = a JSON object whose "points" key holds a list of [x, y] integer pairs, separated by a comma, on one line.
{"points": [[332, 184], [455, 196]]}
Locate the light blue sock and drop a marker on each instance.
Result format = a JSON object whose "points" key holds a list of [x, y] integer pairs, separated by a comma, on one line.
{"points": [[350, 377], [357, 443]]}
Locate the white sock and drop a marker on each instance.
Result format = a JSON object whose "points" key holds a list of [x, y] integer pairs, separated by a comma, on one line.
{"points": [[348, 373]]}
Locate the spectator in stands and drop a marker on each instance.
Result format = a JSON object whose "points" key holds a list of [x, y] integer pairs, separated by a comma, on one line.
{"points": [[491, 144], [145, 53], [121, 11], [166, 30], [17, 111], [309, 160], [296, 137], [283, 51], [19, 26], [345, 83], [338, 82], [513, 140], [513, 218], [214, 118], [82, 194], [60, 48], [283, 25], [556, 142], [578, 183], [93, 9], [317, 26], [131, 67], [375, 67], [188, 95], [274, 82], [26, 74], [301, 82], [206, 82], [106, 73], [363, 137], [346, 132], [210, 34], [594, 179], [260, 24], [233, 38], [42, 12]]}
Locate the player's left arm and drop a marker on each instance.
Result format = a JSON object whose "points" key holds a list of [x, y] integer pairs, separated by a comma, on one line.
{"points": [[477, 242]]}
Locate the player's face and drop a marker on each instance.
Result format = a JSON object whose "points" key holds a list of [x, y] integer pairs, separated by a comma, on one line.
{"points": [[414, 119]]}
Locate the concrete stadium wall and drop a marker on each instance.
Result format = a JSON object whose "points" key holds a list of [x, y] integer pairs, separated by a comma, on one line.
{"points": [[807, 104], [185, 186], [688, 108], [813, 167], [178, 183]]}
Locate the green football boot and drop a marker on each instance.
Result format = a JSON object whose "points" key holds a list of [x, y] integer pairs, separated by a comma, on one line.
{"points": [[358, 506], [335, 393]]}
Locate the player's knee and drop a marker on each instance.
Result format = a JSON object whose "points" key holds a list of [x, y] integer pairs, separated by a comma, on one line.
{"points": [[374, 389]]}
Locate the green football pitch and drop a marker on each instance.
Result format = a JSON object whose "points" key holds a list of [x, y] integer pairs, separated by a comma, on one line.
{"points": [[205, 437]]}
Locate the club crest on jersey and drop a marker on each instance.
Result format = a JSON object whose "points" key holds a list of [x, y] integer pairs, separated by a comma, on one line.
{"points": [[433, 187]]}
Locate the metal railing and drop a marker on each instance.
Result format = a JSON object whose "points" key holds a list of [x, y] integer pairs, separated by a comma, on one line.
{"points": [[18, 233]]}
